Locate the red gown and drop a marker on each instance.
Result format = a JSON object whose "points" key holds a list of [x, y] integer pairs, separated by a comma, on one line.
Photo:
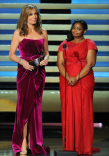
{"points": [[79, 99]]}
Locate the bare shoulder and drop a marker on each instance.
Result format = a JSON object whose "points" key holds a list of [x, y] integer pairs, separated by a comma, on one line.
{"points": [[16, 34], [44, 31]]}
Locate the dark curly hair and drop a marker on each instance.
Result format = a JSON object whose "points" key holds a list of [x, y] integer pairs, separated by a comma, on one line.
{"points": [[84, 26], [22, 22]]}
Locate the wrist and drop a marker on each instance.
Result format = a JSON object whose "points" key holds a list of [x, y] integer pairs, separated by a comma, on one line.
{"points": [[46, 56], [67, 77], [20, 61], [77, 77]]}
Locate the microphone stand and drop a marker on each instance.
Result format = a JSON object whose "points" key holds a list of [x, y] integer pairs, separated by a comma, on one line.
{"points": [[65, 153], [65, 104]]}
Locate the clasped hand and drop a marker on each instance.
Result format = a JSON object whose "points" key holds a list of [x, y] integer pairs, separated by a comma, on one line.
{"points": [[44, 62], [26, 65], [71, 81]]}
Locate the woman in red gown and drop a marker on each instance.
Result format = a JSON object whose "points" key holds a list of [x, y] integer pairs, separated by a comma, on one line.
{"points": [[80, 58]]}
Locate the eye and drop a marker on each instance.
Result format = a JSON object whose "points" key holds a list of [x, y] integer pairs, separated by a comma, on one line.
{"points": [[36, 13], [30, 14], [73, 28]]}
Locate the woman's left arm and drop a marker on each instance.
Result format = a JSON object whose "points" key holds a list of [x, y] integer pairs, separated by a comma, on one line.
{"points": [[46, 53], [91, 60]]}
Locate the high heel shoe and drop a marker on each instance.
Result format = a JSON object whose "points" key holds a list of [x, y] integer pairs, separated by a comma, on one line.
{"points": [[28, 150], [23, 153]]}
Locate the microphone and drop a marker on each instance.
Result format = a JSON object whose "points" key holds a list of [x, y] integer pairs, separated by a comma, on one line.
{"points": [[64, 46]]}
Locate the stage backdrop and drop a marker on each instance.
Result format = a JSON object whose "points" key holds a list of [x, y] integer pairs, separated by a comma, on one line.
{"points": [[56, 19]]}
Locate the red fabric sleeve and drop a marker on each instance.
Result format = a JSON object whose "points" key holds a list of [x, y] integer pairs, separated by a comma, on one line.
{"points": [[61, 46], [92, 45]]}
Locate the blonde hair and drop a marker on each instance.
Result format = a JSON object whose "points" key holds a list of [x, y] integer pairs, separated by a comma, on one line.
{"points": [[22, 22]]}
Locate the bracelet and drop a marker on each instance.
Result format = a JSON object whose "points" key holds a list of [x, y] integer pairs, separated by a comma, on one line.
{"points": [[20, 61], [46, 56]]}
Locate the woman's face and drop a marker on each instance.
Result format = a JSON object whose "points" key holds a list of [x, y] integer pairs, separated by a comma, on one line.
{"points": [[77, 30], [32, 18]]}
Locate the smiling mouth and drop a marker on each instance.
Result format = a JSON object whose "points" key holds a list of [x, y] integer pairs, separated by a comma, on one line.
{"points": [[75, 33]]}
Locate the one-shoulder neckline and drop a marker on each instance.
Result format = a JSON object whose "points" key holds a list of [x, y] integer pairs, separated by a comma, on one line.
{"points": [[31, 39]]}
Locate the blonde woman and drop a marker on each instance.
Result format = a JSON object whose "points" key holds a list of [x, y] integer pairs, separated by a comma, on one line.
{"points": [[31, 40]]}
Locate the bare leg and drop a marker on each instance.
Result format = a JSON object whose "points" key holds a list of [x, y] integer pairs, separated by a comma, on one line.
{"points": [[29, 140], [29, 134], [24, 143]]}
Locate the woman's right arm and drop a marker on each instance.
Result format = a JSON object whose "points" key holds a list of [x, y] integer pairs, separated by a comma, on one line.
{"points": [[13, 48], [60, 64]]}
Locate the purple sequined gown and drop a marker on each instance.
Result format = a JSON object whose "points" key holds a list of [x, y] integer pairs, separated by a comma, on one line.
{"points": [[30, 86]]}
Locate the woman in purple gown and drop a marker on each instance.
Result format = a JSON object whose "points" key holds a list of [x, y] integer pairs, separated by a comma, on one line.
{"points": [[31, 41]]}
